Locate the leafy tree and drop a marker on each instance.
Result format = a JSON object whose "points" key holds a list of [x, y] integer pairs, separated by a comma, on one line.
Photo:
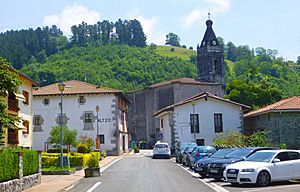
{"points": [[9, 82], [86, 140], [173, 39], [69, 136], [259, 139], [298, 60]]}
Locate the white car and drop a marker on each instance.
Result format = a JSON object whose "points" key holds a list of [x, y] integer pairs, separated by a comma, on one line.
{"points": [[264, 167], [161, 150]]}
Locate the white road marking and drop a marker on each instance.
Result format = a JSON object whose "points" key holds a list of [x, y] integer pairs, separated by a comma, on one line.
{"points": [[214, 186], [271, 188], [94, 187], [107, 166]]}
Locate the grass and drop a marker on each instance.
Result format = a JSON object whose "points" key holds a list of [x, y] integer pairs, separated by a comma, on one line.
{"points": [[178, 52], [55, 168]]}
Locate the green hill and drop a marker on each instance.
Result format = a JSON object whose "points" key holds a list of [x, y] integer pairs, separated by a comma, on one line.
{"points": [[116, 66], [178, 52]]}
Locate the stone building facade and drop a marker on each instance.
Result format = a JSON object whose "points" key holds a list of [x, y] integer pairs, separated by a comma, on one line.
{"points": [[211, 78], [280, 120]]}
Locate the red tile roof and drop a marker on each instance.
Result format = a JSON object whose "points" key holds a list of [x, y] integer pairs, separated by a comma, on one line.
{"points": [[200, 96], [73, 87], [292, 103], [184, 80]]}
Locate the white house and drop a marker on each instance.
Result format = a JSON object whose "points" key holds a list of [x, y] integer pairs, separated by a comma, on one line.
{"points": [[212, 115], [79, 101]]}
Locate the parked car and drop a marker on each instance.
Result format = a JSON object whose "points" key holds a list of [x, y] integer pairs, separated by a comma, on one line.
{"points": [[201, 166], [216, 167], [161, 149], [186, 155], [180, 149], [264, 167], [200, 152]]}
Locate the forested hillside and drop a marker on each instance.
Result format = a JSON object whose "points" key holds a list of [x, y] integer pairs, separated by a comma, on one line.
{"points": [[117, 66], [115, 55]]}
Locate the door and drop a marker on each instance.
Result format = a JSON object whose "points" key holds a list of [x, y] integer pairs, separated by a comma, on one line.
{"points": [[282, 170], [295, 160]]}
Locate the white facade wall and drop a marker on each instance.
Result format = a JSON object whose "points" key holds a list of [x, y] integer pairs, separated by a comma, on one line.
{"points": [[205, 109], [75, 115], [25, 140]]}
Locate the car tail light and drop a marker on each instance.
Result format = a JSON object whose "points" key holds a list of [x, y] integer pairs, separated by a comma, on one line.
{"points": [[198, 154]]}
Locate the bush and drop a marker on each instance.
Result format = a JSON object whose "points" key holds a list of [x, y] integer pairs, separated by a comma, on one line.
{"points": [[83, 148], [103, 153], [259, 139], [30, 162], [93, 160], [76, 161], [136, 149], [230, 139], [48, 161], [86, 140], [56, 150], [8, 168]]}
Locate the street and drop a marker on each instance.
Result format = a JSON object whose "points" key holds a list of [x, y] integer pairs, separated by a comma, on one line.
{"points": [[139, 172]]}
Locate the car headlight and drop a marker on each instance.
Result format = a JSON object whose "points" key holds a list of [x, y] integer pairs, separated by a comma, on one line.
{"points": [[247, 170]]}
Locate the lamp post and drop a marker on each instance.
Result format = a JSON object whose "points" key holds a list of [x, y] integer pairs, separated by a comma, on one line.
{"points": [[61, 87], [98, 137], [193, 104]]}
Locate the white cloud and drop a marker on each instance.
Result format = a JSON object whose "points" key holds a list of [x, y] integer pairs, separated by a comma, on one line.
{"points": [[215, 7], [149, 27], [72, 15]]}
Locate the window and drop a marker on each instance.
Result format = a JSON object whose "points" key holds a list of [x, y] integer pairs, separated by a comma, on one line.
{"points": [[294, 155], [284, 156], [26, 124], [37, 120], [102, 141], [81, 100], [26, 95], [161, 123], [194, 121], [269, 117], [46, 101], [87, 118], [218, 120]]}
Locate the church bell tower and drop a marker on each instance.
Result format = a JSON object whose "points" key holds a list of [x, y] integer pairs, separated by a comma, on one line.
{"points": [[210, 58]]}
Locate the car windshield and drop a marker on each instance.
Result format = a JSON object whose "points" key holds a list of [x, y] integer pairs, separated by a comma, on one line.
{"points": [[240, 153], [261, 156], [206, 150], [189, 149], [222, 153], [161, 146]]}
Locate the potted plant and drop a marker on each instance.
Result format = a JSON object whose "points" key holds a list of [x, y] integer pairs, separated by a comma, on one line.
{"points": [[93, 169], [136, 149]]}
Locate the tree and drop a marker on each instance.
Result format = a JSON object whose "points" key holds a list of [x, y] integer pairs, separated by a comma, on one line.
{"points": [[69, 136], [9, 82], [298, 60], [173, 39], [86, 140]]}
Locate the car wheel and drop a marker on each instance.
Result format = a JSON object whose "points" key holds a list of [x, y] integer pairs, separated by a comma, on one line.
{"points": [[190, 166], [153, 157], [217, 179], [177, 160], [263, 179], [202, 175]]}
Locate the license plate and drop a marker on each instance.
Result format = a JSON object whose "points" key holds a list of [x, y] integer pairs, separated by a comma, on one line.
{"points": [[199, 169], [231, 175], [214, 171], [232, 180]]}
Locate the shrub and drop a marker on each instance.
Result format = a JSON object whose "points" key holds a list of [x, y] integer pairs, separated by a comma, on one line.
{"points": [[86, 140], [103, 153], [30, 162], [56, 150], [172, 49], [48, 161], [230, 139], [83, 148], [183, 46], [76, 161], [93, 160], [136, 149], [259, 139], [8, 168]]}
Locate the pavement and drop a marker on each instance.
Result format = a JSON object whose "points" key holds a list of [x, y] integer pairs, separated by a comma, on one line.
{"points": [[60, 183]]}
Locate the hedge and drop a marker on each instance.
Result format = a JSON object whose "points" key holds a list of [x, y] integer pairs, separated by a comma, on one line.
{"points": [[30, 162], [9, 168]]}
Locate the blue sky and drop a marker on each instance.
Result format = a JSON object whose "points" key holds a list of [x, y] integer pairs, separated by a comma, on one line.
{"points": [[270, 24]]}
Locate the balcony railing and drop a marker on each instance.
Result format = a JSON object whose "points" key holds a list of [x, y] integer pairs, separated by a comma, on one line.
{"points": [[13, 105]]}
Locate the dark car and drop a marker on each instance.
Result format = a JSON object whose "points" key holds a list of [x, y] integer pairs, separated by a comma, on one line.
{"points": [[200, 152], [186, 155], [216, 167], [180, 149], [201, 166]]}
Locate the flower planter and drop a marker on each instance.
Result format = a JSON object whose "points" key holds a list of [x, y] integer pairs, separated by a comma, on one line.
{"points": [[92, 172]]}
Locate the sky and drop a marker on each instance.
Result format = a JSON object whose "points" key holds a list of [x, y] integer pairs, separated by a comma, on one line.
{"points": [[272, 24]]}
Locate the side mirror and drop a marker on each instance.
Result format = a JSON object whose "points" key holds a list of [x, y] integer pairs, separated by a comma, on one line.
{"points": [[276, 160]]}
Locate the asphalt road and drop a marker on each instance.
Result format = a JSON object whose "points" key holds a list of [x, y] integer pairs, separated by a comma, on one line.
{"points": [[141, 173]]}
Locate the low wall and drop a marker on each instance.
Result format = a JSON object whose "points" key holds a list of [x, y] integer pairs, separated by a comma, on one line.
{"points": [[18, 185]]}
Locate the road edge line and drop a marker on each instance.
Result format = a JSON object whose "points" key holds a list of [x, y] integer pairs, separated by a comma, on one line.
{"points": [[94, 187]]}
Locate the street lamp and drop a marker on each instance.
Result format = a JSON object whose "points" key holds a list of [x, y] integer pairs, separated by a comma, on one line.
{"points": [[193, 104], [98, 136], [61, 87]]}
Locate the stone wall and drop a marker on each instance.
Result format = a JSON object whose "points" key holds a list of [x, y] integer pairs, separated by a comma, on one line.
{"points": [[281, 127]]}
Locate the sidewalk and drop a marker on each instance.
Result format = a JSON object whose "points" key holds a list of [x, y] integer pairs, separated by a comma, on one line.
{"points": [[55, 183]]}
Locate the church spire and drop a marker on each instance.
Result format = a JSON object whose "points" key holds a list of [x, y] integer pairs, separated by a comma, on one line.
{"points": [[209, 36]]}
